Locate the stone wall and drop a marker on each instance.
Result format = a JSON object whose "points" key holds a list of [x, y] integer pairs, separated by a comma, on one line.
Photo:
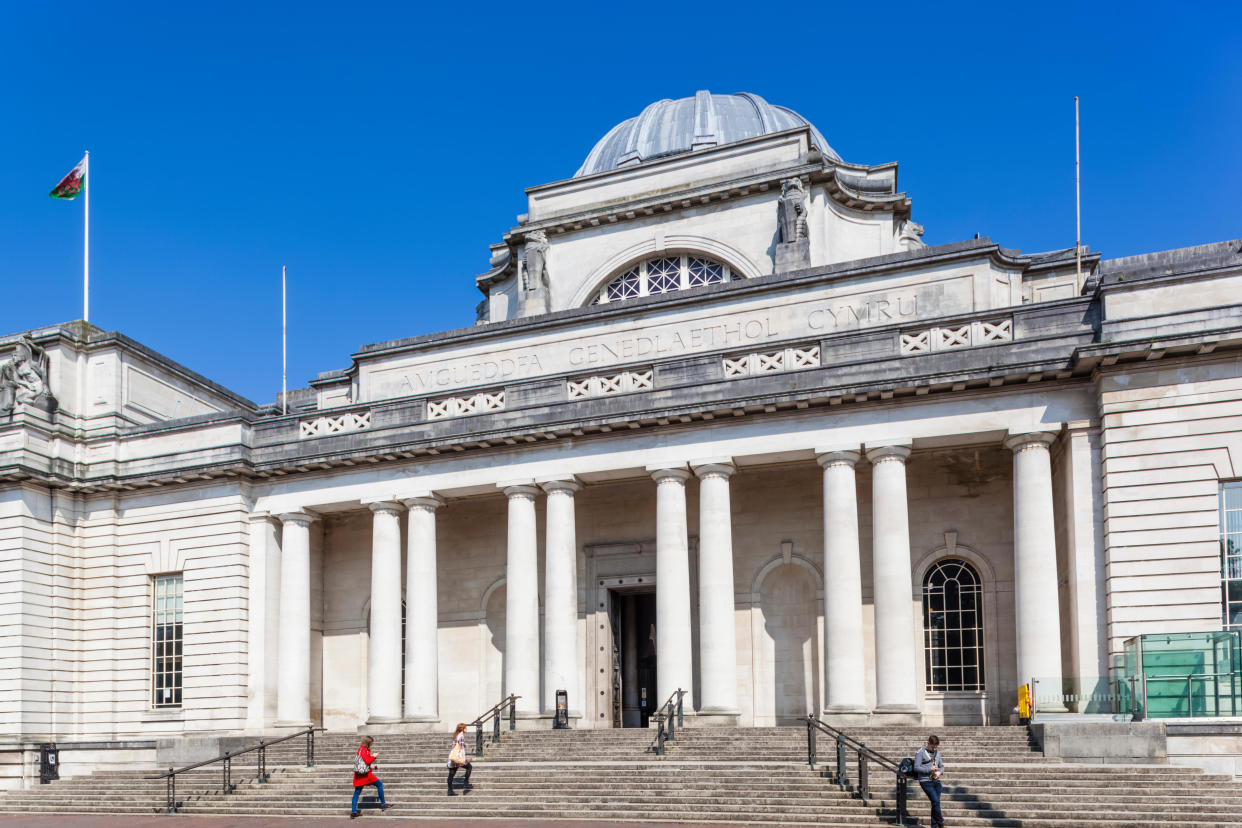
{"points": [[1171, 433]]}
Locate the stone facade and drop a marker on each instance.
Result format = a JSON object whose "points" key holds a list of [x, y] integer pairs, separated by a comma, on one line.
{"points": [[763, 468]]}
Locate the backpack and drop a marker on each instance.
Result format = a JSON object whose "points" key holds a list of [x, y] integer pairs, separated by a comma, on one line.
{"points": [[361, 767], [906, 767]]}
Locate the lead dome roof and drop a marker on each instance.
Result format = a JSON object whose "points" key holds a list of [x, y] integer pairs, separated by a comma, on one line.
{"points": [[671, 127]]}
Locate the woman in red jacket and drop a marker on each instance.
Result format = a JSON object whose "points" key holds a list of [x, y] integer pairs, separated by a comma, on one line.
{"points": [[363, 776]]}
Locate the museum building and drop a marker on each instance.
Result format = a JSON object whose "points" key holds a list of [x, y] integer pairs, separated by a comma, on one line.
{"points": [[725, 424]]}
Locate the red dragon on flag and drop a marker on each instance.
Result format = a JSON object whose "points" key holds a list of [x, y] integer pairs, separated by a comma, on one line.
{"points": [[71, 185]]}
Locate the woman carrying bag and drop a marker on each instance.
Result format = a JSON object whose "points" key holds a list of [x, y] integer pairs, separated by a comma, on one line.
{"points": [[363, 776], [457, 759]]}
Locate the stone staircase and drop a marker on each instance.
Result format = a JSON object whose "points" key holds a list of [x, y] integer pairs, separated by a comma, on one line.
{"points": [[995, 778]]}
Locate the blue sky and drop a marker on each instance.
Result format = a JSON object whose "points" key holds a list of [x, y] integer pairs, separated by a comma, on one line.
{"points": [[377, 149]]}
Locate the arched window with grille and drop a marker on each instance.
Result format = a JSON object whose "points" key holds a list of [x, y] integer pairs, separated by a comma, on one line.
{"points": [[664, 274], [953, 626]]}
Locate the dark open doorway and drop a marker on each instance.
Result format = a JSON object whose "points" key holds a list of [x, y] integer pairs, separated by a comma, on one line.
{"points": [[633, 657]]}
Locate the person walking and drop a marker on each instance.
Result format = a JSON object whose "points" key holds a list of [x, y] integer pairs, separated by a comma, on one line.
{"points": [[364, 775], [929, 766], [457, 759]]}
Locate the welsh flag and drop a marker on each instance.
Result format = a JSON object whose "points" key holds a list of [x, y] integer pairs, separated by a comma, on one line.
{"points": [[72, 184]]}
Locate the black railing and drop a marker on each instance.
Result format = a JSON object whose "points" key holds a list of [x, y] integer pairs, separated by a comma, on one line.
{"points": [[493, 715], [846, 744], [669, 717], [226, 760]]}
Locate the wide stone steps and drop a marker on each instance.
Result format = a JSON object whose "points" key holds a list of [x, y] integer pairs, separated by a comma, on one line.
{"points": [[757, 776]]}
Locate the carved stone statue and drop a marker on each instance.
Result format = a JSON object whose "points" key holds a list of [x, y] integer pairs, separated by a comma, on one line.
{"points": [[23, 378], [910, 237], [793, 211], [536, 262]]}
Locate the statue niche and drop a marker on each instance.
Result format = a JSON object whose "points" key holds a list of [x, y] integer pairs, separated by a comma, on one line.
{"points": [[535, 288], [23, 378], [793, 251]]}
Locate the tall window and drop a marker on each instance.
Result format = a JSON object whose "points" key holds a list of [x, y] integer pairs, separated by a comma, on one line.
{"points": [[664, 275], [166, 642], [1231, 554], [953, 626]]}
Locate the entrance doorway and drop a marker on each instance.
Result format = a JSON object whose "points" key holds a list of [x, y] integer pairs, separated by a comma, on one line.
{"points": [[633, 615]]}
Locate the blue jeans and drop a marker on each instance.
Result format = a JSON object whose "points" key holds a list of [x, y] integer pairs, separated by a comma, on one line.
{"points": [[932, 788], [379, 786]]}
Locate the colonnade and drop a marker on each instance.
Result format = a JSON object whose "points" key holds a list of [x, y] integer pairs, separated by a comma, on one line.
{"points": [[896, 655]]}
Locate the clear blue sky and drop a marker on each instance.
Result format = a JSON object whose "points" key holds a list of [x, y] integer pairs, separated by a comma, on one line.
{"points": [[377, 149]]}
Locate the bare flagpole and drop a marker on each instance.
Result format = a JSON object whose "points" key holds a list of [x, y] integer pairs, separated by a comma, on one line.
{"points": [[86, 239], [1077, 193], [284, 343]]}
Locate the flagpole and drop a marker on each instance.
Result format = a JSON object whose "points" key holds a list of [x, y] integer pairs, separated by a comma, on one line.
{"points": [[86, 239], [284, 343], [1077, 195]]}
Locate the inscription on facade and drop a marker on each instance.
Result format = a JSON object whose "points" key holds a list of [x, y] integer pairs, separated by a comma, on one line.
{"points": [[553, 354]]}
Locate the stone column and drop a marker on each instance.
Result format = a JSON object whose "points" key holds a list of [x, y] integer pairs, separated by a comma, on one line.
{"points": [[717, 631], [674, 665], [384, 650], [560, 603], [264, 605], [422, 672], [522, 601], [1084, 511], [293, 684], [846, 692], [895, 663], [1036, 601]]}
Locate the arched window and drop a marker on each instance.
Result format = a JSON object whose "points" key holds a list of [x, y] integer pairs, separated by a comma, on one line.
{"points": [[664, 274], [953, 626]]}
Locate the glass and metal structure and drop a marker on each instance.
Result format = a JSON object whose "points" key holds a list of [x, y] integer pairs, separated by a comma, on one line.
{"points": [[1181, 675]]}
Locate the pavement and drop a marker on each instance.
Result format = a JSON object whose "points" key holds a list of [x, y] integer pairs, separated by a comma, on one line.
{"points": [[389, 819]]}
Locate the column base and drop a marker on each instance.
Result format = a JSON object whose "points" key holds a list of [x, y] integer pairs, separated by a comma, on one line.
{"points": [[897, 714], [376, 727], [712, 718], [846, 716], [282, 725]]}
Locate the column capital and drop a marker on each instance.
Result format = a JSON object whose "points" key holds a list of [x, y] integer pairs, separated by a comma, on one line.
{"points": [[714, 468], [300, 517], [427, 502], [660, 474], [887, 453], [838, 457], [1035, 439], [388, 506], [566, 485], [525, 488]]}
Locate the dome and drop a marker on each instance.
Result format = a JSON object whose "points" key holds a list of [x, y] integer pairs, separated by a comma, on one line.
{"points": [[706, 120]]}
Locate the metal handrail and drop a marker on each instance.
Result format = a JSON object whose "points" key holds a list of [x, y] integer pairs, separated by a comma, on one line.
{"points": [[493, 714], [865, 756], [227, 758], [666, 722]]}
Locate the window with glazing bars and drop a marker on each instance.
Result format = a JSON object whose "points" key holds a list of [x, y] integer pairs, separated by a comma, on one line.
{"points": [[1231, 554], [664, 274], [953, 626], [166, 637]]}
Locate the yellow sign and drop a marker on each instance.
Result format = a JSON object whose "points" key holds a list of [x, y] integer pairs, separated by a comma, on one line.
{"points": [[1024, 701]]}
